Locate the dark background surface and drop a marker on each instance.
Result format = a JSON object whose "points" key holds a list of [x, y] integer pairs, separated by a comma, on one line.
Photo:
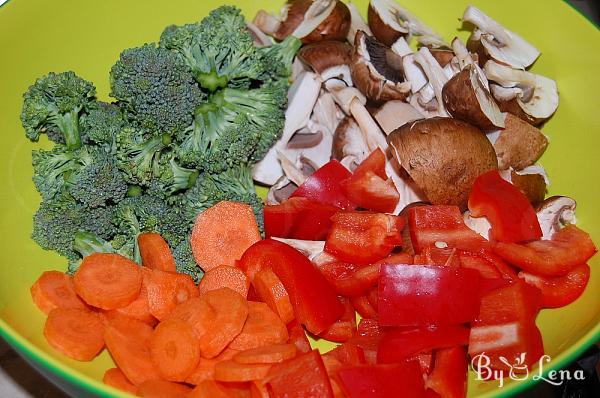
{"points": [[19, 380]]}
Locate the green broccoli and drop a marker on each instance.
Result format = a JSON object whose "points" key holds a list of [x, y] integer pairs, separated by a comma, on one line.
{"points": [[279, 57], [54, 105], [219, 50], [185, 263], [155, 88], [102, 124], [173, 178]]}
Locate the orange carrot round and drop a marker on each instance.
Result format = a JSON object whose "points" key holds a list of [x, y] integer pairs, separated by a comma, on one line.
{"points": [[269, 354], [270, 289], [175, 349], [108, 281], [162, 389], [222, 233], [155, 252], [166, 290], [225, 276], [258, 389], [74, 332], [206, 367], [232, 371], [138, 308], [115, 378], [231, 311], [54, 289], [263, 327], [210, 388]]}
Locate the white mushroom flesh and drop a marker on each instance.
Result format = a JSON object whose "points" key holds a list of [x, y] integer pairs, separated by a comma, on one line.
{"points": [[436, 77], [374, 137], [481, 225], [317, 13], [394, 114], [267, 23], [357, 23], [343, 95], [555, 213], [310, 248], [408, 189], [401, 47]]}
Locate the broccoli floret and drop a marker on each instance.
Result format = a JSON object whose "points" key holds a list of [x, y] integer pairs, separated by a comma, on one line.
{"points": [[102, 124], [53, 169], [185, 263], [174, 178], [279, 57], [219, 50], [139, 155], [155, 88], [54, 104], [235, 127]]}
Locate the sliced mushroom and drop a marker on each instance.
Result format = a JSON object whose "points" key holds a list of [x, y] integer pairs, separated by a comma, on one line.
{"points": [[395, 114], [443, 55], [536, 97], [326, 114], [466, 97], [314, 21], [481, 225], [305, 139], [293, 173], [281, 191], [330, 59], [266, 23], [349, 145], [389, 21], [373, 72], [500, 43], [310, 248], [555, 213], [409, 192], [357, 23], [443, 156], [519, 145], [533, 186], [259, 37], [429, 99]]}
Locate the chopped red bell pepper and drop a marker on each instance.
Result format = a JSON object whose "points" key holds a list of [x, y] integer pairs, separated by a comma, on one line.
{"points": [[314, 301], [436, 256], [362, 237], [559, 291], [449, 376], [374, 163], [323, 186], [431, 224], [425, 361], [364, 307], [517, 302], [567, 249], [383, 381], [345, 327], [474, 261], [373, 297], [349, 354], [371, 192], [369, 327], [299, 218], [398, 345], [509, 211], [297, 337], [417, 295], [300, 377], [342, 276]]}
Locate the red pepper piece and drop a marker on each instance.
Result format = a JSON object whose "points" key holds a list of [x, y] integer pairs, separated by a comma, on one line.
{"points": [[371, 192], [342, 277], [297, 337], [302, 376], [425, 361], [369, 328], [559, 291], [374, 163], [397, 346], [417, 295], [323, 186], [363, 238], [314, 301], [449, 376], [437, 256], [345, 327], [567, 249], [363, 307], [481, 265], [431, 224], [517, 302], [349, 354], [383, 381], [509, 211], [299, 218]]}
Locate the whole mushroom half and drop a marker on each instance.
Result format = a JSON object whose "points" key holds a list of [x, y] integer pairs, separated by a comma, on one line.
{"points": [[314, 20], [498, 42], [330, 59], [519, 145], [443, 156], [531, 97], [377, 71]]}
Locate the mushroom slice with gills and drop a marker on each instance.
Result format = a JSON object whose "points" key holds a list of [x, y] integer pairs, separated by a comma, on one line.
{"points": [[376, 70], [349, 145], [260, 38], [481, 225], [443, 156], [395, 114], [293, 173], [310, 248], [555, 213], [519, 145], [281, 191], [302, 96], [467, 97], [437, 79], [266, 23], [536, 97], [357, 23], [314, 21], [304, 139], [389, 21], [500, 43], [330, 59]]}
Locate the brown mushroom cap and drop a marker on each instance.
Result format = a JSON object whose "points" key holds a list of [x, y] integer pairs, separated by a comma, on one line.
{"points": [[442, 55], [533, 186], [520, 144], [373, 71], [515, 109], [443, 156], [382, 31], [323, 55]]}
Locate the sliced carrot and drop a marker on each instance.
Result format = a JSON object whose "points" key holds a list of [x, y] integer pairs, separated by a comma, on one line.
{"points": [[197, 312], [225, 276], [263, 327], [270, 289], [75, 333], [163, 389], [128, 342], [206, 367], [231, 311], [108, 281], [222, 233], [155, 252], [115, 378], [54, 289], [298, 337], [174, 349], [269, 354], [210, 388], [258, 389], [232, 371], [138, 308], [237, 390], [166, 290]]}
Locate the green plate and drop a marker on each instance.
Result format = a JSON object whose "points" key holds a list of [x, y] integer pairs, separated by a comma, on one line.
{"points": [[40, 36]]}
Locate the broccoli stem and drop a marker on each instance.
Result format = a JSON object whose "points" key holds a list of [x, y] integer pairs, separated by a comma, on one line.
{"points": [[68, 124], [211, 81], [87, 243], [134, 191]]}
